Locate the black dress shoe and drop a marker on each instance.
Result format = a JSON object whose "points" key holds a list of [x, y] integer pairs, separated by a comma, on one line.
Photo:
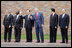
{"points": [[28, 41], [62, 42], [66, 42], [5, 41], [50, 42], [37, 42], [54, 42], [17, 41], [9, 41], [42, 41]]}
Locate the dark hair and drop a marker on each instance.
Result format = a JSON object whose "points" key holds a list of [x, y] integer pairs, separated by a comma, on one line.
{"points": [[31, 15], [17, 12], [52, 9], [28, 9]]}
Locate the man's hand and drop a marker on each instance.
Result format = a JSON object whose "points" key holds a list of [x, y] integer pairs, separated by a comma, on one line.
{"points": [[30, 17], [42, 25], [55, 27], [66, 26], [9, 26]]}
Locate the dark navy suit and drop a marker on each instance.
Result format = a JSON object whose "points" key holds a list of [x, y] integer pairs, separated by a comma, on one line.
{"points": [[28, 27], [8, 21], [18, 24], [53, 24], [63, 22], [38, 27]]}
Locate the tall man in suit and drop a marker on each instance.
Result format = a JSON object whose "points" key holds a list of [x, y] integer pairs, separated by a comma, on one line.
{"points": [[53, 26], [64, 24], [39, 22], [29, 23], [8, 22], [18, 24]]}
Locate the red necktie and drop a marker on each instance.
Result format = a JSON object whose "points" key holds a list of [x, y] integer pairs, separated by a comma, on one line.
{"points": [[36, 16]]}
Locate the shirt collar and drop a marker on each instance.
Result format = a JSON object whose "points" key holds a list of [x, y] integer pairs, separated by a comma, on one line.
{"points": [[63, 14], [53, 14]]}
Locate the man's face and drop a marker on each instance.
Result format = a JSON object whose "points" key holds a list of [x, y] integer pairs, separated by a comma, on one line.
{"points": [[63, 11], [28, 12], [8, 12], [51, 11], [20, 13], [36, 10]]}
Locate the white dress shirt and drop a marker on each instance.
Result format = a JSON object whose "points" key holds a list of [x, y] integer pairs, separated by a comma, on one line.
{"points": [[28, 16], [17, 17], [7, 15], [63, 15], [53, 14]]}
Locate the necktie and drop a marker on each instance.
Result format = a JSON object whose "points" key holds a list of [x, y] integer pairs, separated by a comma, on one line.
{"points": [[37, 16], [52, 15]]}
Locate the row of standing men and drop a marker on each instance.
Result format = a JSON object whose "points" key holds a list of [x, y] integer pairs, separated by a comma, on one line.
{"points": [[36, 19]]}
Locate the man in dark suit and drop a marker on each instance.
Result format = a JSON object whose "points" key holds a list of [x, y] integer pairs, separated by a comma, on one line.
{"points": [[53, 26], [8, 22], [64, 24], [18, 24], [29, 23], [39, 22]]}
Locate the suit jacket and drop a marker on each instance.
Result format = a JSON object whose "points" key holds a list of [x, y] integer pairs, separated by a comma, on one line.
{"points": [[63, 22], [8, 20], [18, 22], [28, 22], [40, 19], [53, 20]]}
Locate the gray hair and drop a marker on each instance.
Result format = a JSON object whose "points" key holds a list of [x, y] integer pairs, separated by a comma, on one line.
{"points": [[63, 10]]}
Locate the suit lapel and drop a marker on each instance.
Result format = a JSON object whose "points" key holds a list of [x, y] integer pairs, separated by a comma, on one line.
{"points": [[64, 16], [35, 15], [6, 16], [61, 16], [38, 15]]}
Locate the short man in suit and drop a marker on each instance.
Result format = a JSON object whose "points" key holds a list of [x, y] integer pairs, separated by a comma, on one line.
{"points": [[64, 24], [18, 24], [8, 22], [29, 23], [39, 22], [53, 26]]}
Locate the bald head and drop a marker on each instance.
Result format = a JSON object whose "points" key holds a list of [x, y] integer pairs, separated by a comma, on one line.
{"points": [[63, 11]]}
